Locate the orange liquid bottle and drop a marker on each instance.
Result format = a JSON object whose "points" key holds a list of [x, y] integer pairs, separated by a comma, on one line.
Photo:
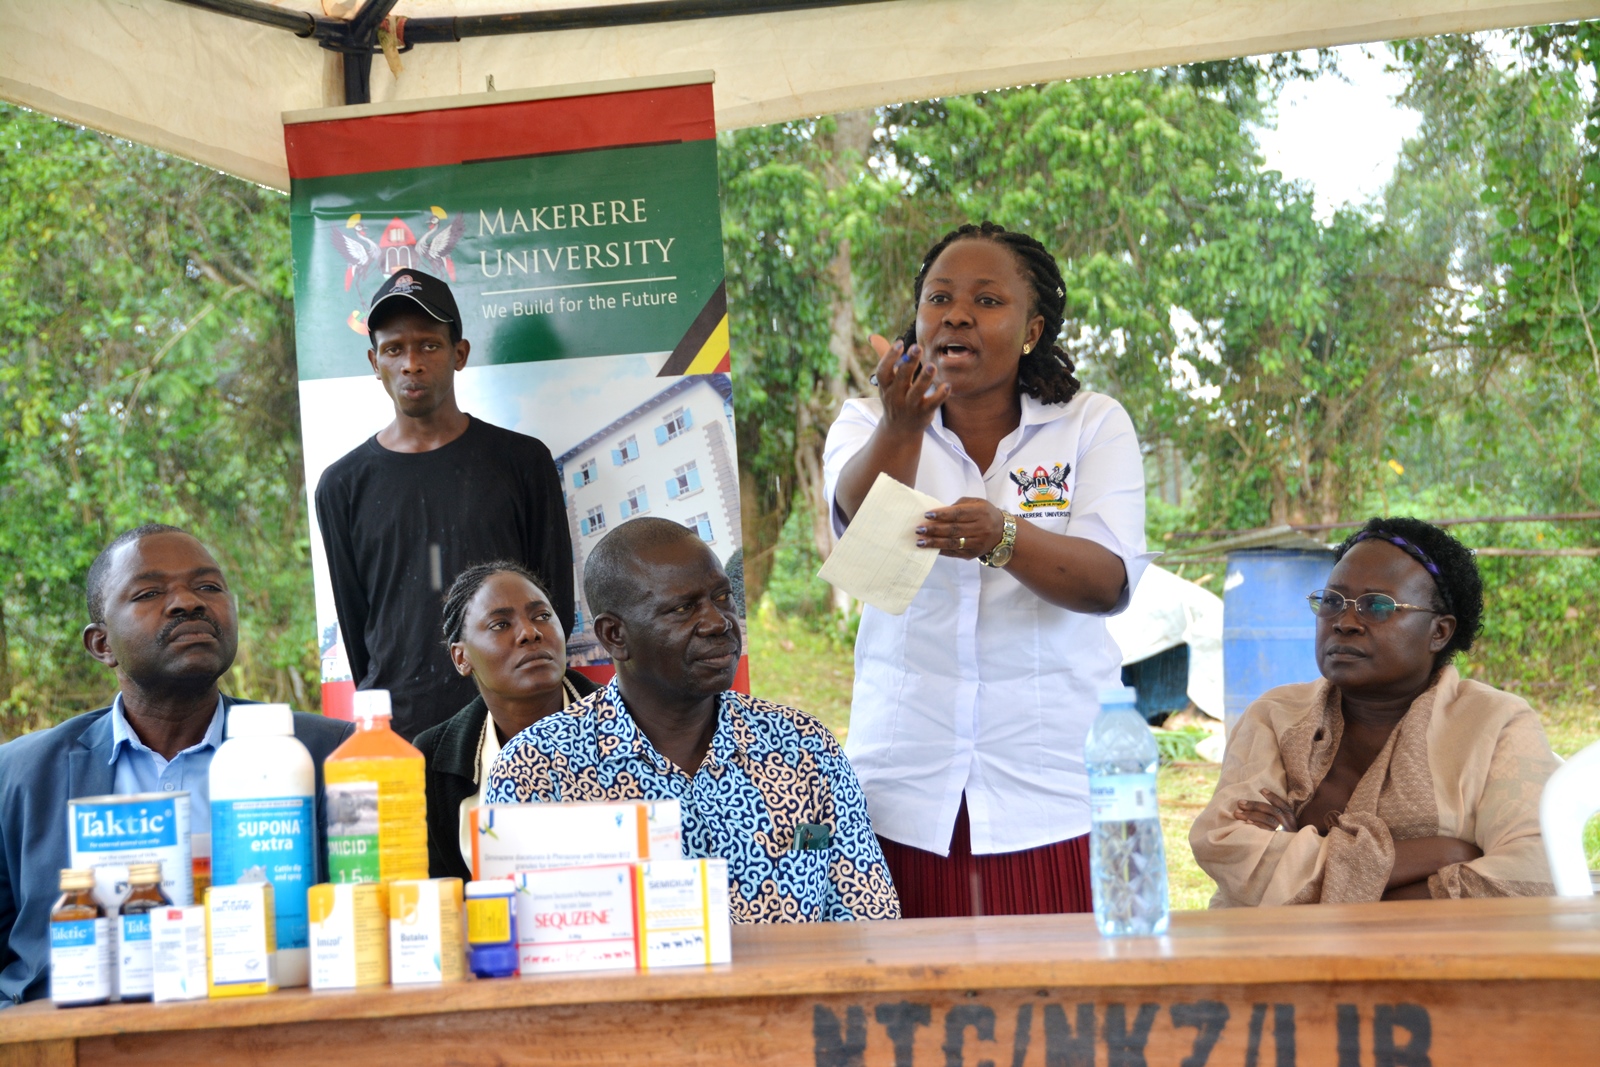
{"points": [[377, 807]]}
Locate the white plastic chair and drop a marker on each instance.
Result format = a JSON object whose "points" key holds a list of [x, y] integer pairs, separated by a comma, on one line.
{"points": [[1570, 796]]}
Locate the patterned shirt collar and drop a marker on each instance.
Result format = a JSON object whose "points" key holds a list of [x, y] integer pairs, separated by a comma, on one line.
{"points": [[613, 721]]}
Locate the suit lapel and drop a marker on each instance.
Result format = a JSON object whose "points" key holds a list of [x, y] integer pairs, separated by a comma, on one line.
{"points": [[89, 771]]}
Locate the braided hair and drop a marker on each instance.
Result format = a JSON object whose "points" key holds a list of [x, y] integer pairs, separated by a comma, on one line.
{"points": [[1045, 373], [466, 586], [1450, 563]]}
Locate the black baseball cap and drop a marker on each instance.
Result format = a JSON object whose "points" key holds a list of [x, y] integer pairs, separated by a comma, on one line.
{"points": [[408, 287]]}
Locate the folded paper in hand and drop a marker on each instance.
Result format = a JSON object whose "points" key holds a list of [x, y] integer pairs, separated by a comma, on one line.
{"points": [[877, 560]]}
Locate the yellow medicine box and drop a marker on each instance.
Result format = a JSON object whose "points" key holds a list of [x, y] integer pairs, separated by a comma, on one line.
{"points": [[683, 913], [349, 935], [425, 942]]}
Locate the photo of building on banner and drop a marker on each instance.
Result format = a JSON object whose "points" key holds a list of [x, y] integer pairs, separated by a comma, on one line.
{"points": [[578, 235]]}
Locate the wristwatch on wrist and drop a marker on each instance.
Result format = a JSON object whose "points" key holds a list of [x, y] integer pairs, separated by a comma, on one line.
{"points": [[1000, 555]]}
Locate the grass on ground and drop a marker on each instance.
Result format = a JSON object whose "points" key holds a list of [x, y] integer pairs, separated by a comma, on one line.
{"points": [[793, 664]]}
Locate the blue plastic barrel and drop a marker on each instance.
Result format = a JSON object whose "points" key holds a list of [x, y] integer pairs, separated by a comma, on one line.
{"points": [[1268, 633]]}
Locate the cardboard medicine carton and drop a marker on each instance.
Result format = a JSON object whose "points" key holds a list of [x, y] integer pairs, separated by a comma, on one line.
{"points": [[425, 943], [241, 940], [576, 919], [533, 837], [683, 913], [349, 935], [178, 953]]}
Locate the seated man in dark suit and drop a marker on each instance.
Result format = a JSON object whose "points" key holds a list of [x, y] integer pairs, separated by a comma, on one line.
{"points": [[162, 617]]}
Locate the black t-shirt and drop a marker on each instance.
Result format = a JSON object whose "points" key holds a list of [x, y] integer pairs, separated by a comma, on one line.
{"points": [[490, 494]]}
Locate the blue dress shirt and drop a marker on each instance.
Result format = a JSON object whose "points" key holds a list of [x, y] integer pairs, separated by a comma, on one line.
{"points": [[137, 768]]}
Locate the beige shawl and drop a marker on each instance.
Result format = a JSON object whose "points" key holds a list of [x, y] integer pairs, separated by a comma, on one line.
{"points": [[1467, 761]]}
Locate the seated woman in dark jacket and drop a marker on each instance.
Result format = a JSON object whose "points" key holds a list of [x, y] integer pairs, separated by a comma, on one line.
{"points": [[504, 635]]}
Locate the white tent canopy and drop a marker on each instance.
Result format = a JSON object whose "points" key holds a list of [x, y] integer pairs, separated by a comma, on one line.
{"points": [[213, 88]]}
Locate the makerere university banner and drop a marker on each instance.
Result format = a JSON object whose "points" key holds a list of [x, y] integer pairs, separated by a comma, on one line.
{"points": [[579, 230]]}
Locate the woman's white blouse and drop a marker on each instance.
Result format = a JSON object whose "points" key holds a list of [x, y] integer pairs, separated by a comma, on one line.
{"points": [[981, 687]]}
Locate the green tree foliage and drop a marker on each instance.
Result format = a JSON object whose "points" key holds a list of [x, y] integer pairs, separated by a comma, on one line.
{"points": [[775, 209], [1309, 352], [1289, 358], [1501, 183], [146, 374], [1541, 178]]}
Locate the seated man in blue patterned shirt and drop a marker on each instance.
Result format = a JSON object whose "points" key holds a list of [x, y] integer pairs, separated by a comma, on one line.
{"points": [[763, 786]]}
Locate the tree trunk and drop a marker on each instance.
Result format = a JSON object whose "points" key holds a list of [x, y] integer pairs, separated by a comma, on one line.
{"points": [[764, 508], [847, 146], [761, 522]]}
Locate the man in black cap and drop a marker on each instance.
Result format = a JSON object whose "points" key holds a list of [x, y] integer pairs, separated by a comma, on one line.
{"points": [[429, 495]]}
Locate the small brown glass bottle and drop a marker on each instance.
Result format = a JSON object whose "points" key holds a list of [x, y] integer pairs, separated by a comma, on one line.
{"points": [[80, 944], [135, 971]]}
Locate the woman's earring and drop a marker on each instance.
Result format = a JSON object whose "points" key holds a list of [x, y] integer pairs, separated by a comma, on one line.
{"points": [[1026, 348]]}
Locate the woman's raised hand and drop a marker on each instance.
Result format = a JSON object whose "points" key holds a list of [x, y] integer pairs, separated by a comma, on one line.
{"points": [[906, 386]]}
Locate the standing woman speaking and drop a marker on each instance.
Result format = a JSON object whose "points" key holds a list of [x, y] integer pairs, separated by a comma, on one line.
{"points": [[970, 710]]}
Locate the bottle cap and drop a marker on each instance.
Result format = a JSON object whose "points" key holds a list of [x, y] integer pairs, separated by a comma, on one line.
{"points": [[1118, 695], [371, 704], [75, 879], [144, 873], [260, 720]]}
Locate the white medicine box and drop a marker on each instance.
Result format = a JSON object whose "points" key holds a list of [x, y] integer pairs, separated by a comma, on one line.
{"points": [[508, 838]]}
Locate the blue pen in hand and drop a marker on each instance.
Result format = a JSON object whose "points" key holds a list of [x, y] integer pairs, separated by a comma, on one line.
{"points": [[905, 357]]}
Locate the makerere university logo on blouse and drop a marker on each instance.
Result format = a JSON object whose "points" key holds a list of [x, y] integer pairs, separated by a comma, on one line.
{"points": [[1042, 488]]}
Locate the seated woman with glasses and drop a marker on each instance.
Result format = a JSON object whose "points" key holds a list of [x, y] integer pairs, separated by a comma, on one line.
{"points": [[1393, 777]]}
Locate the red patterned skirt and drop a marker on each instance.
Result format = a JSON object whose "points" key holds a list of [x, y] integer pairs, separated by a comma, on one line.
{"points": [[1036, 881]]}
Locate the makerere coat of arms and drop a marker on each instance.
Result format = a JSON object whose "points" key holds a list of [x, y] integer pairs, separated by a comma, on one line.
{"points": [[369, 261], [1042, 488]]}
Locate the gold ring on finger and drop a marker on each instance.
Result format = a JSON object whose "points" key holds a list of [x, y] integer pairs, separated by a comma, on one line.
{"points": [[962, 544]]}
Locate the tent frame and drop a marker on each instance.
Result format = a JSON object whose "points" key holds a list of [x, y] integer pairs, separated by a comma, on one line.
{"points": [[356, 39], [210, 80]]}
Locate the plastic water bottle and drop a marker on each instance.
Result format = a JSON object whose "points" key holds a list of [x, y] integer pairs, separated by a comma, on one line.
{"points": [[1127, 860], [263, 822]]}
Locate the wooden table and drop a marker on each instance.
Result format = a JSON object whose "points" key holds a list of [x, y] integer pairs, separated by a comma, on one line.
{"points": [[1370, 985]]}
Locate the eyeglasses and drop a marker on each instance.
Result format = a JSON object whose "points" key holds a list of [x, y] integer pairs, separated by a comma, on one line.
{"points": [[1374, 607]]}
